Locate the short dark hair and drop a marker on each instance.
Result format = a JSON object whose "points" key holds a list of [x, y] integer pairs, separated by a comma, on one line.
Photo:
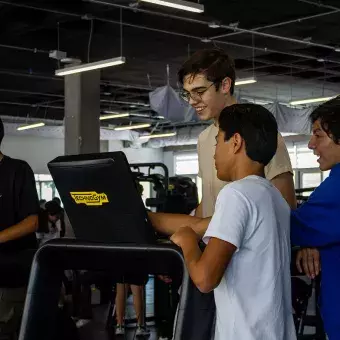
{"points": [[329, 116], [2, 131], [215, 64], [256, 125], [56, 199], [53, 208]]}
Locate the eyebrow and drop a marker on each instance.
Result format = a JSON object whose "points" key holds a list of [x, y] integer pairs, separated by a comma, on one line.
{"points": [[196, 88]]}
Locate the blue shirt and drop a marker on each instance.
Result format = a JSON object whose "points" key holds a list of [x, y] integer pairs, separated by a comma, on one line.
{"points": [[316, 224]]}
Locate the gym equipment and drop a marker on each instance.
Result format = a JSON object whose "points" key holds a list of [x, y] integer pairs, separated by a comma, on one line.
{"points": [[176, 194], [100, 187], [40, 313]]}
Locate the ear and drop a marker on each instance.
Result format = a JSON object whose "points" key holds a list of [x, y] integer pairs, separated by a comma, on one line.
{"points": [[237, 142], [226, 85]]}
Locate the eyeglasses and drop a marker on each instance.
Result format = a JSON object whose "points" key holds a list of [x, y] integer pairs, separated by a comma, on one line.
{"points": [[194, 95]]}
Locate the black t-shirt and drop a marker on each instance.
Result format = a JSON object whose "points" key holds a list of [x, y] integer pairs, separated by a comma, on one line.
{"points": [[18, 200]]}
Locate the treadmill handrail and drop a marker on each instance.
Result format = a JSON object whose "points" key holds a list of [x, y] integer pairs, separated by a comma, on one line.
{"points": [[39, 317]]}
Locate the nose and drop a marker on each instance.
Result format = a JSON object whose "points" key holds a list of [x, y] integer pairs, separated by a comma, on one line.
{"points": [[311, 144], [192, 101]]}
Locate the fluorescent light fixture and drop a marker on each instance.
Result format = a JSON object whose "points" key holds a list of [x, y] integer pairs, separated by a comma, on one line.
{"points": [[114, 115], [90, 66], [179, 4], [132, 127], [30, 126], [245, 81], [159, 135], [310, 100]]}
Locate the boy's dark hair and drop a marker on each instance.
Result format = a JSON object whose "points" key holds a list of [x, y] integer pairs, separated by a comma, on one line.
{"points": [[215, 64], [53, 208], [2, 131], [329, 116], [256, 125]]}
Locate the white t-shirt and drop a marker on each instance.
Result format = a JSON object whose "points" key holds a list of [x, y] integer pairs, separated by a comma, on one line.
{"points": [[253, 300]]}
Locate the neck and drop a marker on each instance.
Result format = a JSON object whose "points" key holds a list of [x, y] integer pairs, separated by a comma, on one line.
{"points": [[230, 100], [249, 169]]}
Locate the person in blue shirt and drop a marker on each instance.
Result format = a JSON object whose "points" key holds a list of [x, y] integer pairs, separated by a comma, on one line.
{"points": [[316, 224]]}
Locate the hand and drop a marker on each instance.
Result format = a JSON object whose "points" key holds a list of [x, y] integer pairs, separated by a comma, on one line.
{"points": [[308, 260], [183, 236]]}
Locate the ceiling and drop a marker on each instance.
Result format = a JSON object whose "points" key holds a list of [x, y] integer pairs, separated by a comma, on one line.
{"points": [[290, 46]]}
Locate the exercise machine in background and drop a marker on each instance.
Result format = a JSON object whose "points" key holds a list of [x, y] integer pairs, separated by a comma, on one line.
{"points": [[179, 195]]}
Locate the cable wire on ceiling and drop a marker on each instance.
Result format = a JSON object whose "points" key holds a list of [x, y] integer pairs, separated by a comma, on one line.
{"points": [[90, 41]]}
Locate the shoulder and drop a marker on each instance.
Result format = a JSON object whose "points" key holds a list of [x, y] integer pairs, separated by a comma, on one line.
{"points": [[207, 133], [18, 164], [235, 189]]}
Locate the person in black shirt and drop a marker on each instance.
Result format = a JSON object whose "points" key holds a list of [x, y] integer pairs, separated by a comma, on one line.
{"points": [[19, 208]]}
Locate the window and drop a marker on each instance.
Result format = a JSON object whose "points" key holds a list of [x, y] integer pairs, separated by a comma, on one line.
{"points": [[186, 164], [45, 187]]}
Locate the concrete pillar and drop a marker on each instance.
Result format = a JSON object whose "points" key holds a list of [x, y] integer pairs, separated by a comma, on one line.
{"points": [[82, 111]]}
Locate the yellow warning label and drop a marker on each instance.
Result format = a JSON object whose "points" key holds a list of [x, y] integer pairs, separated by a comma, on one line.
{"points": [[89, 198]]}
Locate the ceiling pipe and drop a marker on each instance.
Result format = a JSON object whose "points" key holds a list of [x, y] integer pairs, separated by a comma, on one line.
{"points": [[25, 49], [283, 23], [32, 105], [291, 66], [32, 93], [320, 5], [232, 28], [80, 16]]}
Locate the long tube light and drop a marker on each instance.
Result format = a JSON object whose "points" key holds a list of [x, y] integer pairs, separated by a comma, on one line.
{"points": [[310, 100], [132, 127], [114, 115], [245, 81], [90, 66], [179, 4], [159, 135], [30, 126]]}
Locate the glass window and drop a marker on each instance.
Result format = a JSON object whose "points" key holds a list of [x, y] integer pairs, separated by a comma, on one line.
{"points": [[47, 190], [310, 180], [186, 164]]}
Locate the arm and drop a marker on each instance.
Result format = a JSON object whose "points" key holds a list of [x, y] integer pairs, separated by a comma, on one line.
{"points": [[206, 270], [285, 184], [224, 236], [199, 210], [168, 224], [279, 171], [27, 226]]}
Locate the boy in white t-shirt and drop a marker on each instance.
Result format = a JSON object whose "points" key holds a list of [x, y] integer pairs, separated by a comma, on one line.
{"points": [[247, 258]]}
